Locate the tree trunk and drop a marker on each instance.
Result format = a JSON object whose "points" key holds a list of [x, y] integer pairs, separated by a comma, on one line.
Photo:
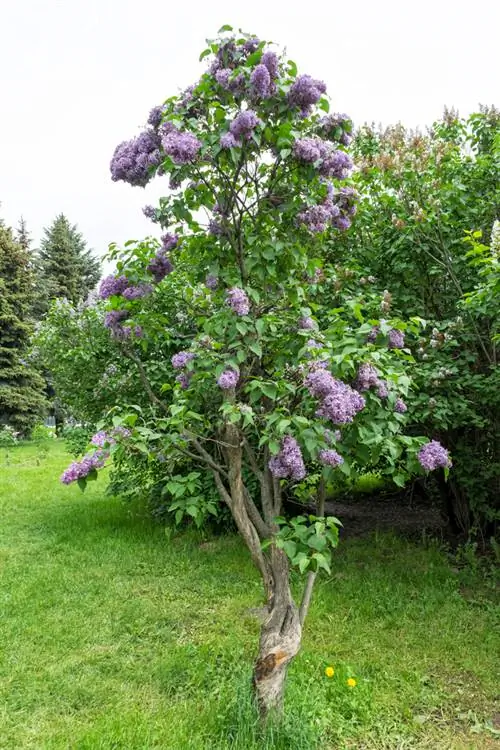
{"points": [[280, 639]]}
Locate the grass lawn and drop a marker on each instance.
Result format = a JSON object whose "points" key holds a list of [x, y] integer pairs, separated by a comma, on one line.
{"points": [[113, 637]]}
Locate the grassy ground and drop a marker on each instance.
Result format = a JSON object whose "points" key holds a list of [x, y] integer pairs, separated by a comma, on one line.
{"points": [[114, 637]]}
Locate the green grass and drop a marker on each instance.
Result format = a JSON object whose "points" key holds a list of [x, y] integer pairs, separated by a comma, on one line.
{"points": [[114, 637]]}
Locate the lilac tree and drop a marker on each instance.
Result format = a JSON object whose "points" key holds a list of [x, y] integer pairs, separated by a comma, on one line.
{"points": [[276, 390]]}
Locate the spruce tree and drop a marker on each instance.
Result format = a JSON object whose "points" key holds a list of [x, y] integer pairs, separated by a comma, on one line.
{"points": [[65, 267], [21, 387], [22, 235]]}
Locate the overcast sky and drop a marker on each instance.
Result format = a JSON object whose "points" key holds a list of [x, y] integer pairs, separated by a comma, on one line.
{"points": [[79, 76]]}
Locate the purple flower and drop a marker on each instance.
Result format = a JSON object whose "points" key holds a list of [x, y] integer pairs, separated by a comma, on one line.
{"points": [[270, 60], [288, 463], [330, 458], [261, 81], [155, 116], [133, 160], [112, 286], [229, 141], [309, 149], [306, 323], [400, 406], [160, 266], [338, 402], [396, 339], [183, 380], [169, 242], [228, 379], [121, 432], [211, 281], [341, 222], [305, 92], [113, 318], [215, 228], [336, 164], [222, 77], [433, 456], [136, 292], [181, 147], [149, 212], [81, 469], [316, 218], [337, 127], [367, 377], [382, 390], [181, 359], [244, 124], [238, 301], [251, 45], [101, 438], [372, 336]]}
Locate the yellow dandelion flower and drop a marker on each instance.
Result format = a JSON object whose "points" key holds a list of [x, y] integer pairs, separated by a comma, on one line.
{"points": [[351, 682], [329, 671]]}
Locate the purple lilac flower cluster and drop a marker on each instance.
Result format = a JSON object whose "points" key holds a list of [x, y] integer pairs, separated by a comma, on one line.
{"points": [[211, 281], [367, 377], [136, 292], [337, 126], [160, 266], [113, 320], [81, 469], [112, 286], [228, 379], [434, 456], [134, 160], [101, 438], [156, 116], [372, 336], [181, 359], [288, 463], [338, 401], [330, 457], [400, 406], [334, 436], [182, 148], [261, 82], [306, 323], [241, 127], [396, 339], [331, 162], [238, 301], [305, 92], [149, 212], [270, 60]]}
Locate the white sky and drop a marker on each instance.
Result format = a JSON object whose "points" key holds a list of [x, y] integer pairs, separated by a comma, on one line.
{"points": [[79, 76]]}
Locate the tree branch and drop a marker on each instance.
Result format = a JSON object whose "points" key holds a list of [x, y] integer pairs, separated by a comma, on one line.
{"points": [[311, 577]]}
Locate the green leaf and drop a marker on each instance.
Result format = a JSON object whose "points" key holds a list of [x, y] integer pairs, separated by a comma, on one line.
{"points": [[256, 348], [224, 28], [82, 483], [269, 389]]}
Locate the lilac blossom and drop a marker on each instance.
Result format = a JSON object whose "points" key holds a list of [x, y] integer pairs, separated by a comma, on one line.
{"points": [[228, 379], [183, 380], [382, 390], [261, 81], [238, 301], [211, 281], [128, 332], [215, 228], [229, 141], [305, 92], [330, 457], [334, 436], [306, 323], [317, 218], [155, 116], [251, 45], [288, 463], [433, 456], [160, 266], [136, 292], [181, 359], [400, 406], [336, 164], [112, 286], [133, 160], [114, 318], [169, 242], [183, 148], [81, 469], [372, 336], [270, 60], [149, 212], [121, 432], [244, 124], [338, 401], [396, 339], [222, 77], [331, 124], [309, 149], [367, 377], [101, 438]]}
